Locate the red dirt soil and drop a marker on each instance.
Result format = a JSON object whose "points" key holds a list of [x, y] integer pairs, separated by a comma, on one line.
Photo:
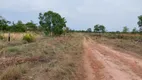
{"points": [[104, 63]]}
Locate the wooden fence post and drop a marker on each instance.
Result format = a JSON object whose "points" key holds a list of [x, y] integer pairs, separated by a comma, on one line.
{"points": [[9, 36]]}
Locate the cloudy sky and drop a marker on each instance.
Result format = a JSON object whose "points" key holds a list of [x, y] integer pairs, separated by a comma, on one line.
{"points": [[80, 14]]}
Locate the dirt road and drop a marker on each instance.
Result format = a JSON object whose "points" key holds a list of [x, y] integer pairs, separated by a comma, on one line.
{"points": [[104, 63]]}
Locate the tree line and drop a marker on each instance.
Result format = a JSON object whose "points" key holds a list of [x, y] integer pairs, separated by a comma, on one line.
{"points": [[6, 25], [49, 22], [101, 28], [53, 23]]}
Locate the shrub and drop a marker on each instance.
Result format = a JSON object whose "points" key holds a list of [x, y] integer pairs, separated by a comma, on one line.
{"points": [[1, 37], [29, 37]]}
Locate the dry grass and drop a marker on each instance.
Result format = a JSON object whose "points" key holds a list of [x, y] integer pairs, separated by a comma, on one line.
{"points": [[19, 36], [48, 58], [128, 42], [14, 36], [14, 72]]}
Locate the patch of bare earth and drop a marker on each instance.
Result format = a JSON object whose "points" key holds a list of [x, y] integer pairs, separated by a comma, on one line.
{"points": [[104, 63]]}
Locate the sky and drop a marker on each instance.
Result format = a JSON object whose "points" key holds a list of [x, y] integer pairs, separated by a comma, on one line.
{"points": [[80, 14]]}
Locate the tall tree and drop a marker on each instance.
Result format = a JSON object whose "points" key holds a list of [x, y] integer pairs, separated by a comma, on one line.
{"points": [[3, 24], [140, 22], [18, 27], [31, 25], [52, 22], [102, 28], [96, 28], [99, 28]]}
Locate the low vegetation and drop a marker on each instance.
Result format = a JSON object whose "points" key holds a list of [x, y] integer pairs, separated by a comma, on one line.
{"points": [[29, 37], [122, 41], [57, 57], [14, 72], [126, 36]]}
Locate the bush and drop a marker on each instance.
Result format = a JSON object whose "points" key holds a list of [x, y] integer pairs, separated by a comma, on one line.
{"points": [[29, 37], [1, 37]]}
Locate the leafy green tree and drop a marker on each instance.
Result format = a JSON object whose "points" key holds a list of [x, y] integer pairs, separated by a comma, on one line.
{"points": [[18, 27], [52, 22], [99, 28], [102, 28], [140, 22], [4, 24], [134, 30], [13, 27], [31, 26], [96, 28], [125, 29], [89, 30]]}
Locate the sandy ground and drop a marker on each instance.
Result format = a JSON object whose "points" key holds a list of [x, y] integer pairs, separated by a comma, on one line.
{"points": [[104, 63]]}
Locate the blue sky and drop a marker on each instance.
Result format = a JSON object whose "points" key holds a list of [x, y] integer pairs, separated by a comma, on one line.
{"points": [[80, 14]]}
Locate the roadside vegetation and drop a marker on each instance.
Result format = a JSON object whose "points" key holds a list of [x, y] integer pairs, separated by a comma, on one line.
{"points": [[125, 40], [55, 58], [122, 41]]}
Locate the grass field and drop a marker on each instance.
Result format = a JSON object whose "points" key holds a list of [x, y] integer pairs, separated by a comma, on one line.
{"points": [[48, 58], [125, 42], [55, 58]]}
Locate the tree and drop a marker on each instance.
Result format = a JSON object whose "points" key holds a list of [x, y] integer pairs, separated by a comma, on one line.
{"points": [[4, 24], [134, 30], [102, 28], [18, 27], [89, 30], [125, 29], [31, 25], [52, 22], [117, 31], [140, 22], [99, 28], [13, 27], [96, 28]]}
